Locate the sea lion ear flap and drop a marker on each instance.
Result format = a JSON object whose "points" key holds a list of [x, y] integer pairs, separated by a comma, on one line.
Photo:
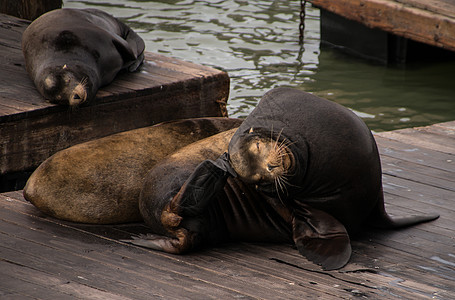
{"points": [[321, 238]]}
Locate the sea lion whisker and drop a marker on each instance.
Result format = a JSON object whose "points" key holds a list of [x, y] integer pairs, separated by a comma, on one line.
{"points": [[286, 143], [284, 177], [282, 182], [277, 191], [84, 81], [278, 138], [271, 135]]}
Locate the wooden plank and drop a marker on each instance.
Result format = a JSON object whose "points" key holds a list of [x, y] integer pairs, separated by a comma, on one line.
{"points": [[83, 255], [443, 7], [289, 278], [40, 285], [436, 138], [158, 261], [417, 23], [366, 274], [415, 154]]}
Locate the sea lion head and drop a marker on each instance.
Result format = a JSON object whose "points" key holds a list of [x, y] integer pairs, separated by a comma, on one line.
{"points": [[66, 84], [262, 159]]}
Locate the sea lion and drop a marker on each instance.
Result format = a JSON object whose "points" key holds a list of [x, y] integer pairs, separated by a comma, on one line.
{"points": [[190, 200], [99, 182], [322, 161], [69, 53], [306, 169]]}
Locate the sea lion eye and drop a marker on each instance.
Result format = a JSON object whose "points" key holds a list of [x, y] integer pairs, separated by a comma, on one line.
{"points": [[270, 167], [257, 145]]}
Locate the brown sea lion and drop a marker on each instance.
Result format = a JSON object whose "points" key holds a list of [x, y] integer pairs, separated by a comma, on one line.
{"points": [[99, 182], [307, 169], [69, 53]]}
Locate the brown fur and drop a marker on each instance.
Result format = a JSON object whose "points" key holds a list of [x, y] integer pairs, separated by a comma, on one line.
{"points": [[99, 181], [265, 160]]}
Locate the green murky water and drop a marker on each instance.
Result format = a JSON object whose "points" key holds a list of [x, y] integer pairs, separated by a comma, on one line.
{"points": [[256, 42]]}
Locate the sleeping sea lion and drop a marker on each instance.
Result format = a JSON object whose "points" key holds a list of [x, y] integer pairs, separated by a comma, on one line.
{"points": [[299, 167], [69, 53], [189, 200], [99, 181]]}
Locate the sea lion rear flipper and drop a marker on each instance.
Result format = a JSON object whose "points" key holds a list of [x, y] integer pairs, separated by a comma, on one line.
{"points": [[138, 46], [380, 219], [321, 238], [130, 58]]}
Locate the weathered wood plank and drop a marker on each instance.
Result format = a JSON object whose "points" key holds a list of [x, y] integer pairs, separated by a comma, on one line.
{"points": [[419, 173], [88, 259], [158, 261], [415, 154], [423, 23], [366, 275], [444, 7], [420, 138]]}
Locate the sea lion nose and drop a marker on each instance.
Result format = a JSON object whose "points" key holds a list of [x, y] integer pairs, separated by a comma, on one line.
{"points": [[78, 96]]}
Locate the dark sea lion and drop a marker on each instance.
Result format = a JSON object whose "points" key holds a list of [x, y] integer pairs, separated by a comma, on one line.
{"points": [[322, 161], [99, 182], [70, 53], [306, 170], [183, 217]]}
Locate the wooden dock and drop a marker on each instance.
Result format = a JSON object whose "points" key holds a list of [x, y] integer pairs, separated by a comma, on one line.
{"points": [[431, 22], [32, 129], [42, 258]]}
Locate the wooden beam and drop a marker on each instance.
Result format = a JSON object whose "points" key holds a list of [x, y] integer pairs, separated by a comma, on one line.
{"points": [[423, 23]]}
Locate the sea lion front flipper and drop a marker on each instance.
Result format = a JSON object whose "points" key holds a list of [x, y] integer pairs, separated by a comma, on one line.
{"points": [[321, 238], [204, 183]]}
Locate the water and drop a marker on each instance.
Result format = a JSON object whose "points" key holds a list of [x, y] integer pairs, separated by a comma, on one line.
{"points": [[256, 42]]}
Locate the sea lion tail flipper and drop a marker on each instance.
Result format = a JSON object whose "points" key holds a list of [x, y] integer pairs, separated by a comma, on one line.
{"points": [[321, 238], [380, 218], [203, 184]]}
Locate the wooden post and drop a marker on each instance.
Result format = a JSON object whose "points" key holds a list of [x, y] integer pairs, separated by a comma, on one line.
{"points": [[28, 9]]}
